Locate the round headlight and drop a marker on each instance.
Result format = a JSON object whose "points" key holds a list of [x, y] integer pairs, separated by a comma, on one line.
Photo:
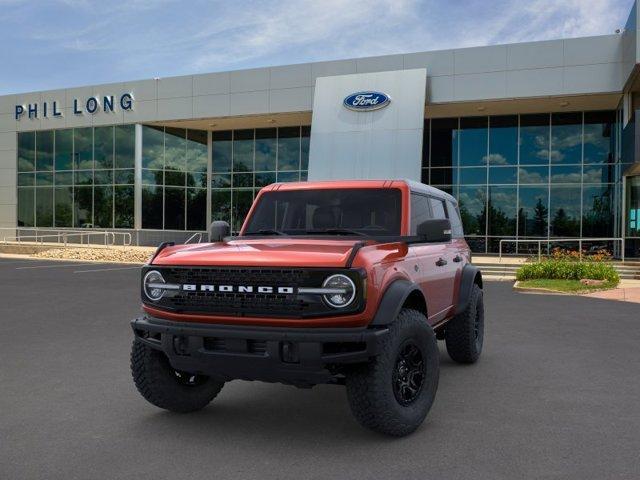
{"points": [[343, 291], [152, 285]]}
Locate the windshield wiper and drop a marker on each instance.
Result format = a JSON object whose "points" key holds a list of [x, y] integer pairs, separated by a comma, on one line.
{"points": [[337, 231], [266, 231]]}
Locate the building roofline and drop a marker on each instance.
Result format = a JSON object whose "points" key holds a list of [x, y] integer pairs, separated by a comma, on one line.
{"points": [[325, 61]]}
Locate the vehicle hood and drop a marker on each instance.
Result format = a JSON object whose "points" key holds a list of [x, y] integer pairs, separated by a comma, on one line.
{"points": [[272, 252]]}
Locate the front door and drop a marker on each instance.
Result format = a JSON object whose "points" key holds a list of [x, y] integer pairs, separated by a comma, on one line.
{"points": [[632, 216], [437, 262], [436, 275]]}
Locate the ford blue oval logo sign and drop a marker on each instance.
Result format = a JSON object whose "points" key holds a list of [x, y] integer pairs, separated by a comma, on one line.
{"points": [[365, 101]]}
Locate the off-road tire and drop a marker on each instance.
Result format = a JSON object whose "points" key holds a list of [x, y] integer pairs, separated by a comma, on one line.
{"points": [[370, 387], [464, 334], [162, 386]]}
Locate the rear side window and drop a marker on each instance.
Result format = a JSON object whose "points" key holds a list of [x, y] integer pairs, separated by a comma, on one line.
{"points": [[454, 218], [420, 211], [437, 206]]}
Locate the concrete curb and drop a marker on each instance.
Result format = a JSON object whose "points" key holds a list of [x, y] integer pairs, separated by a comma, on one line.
{"points": [[540, 291], [498, 278], [548, 291]]}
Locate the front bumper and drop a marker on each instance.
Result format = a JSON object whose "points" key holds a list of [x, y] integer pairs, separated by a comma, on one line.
{"points": [[298, 356]]}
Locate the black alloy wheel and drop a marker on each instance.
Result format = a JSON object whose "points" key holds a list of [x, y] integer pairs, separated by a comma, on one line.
{"points": [[408, 374]]}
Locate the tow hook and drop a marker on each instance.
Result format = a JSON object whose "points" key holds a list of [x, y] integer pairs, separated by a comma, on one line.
{"points": [[181, 345]]}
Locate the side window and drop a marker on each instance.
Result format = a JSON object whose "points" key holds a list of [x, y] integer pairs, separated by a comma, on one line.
{"points": [[437, 206], [456, 223], [420, 211]]}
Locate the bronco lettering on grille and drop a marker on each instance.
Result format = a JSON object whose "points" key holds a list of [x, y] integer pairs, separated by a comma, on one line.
{"points": [[191, 287]]}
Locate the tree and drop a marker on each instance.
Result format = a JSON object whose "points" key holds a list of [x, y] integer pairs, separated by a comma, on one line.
{"points": [[597, 220], [540, 221], [499, 222], [469, 222], [563, 225]]}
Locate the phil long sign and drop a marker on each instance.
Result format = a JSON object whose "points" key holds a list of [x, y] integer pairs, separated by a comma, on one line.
{"points": [[91, 105]]}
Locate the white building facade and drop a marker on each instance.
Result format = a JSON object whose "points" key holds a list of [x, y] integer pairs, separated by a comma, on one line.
{"points": [[536, 140]]}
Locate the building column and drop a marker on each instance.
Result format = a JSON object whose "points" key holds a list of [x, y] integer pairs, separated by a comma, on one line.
{"points": [[137, 210], [209, 177]]}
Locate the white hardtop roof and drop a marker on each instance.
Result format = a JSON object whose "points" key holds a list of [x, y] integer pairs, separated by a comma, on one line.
{"points": [[429, 190]]}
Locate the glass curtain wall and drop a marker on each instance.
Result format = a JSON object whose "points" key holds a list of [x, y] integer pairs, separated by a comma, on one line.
{"points": [[534, 176], [243, 161], [77, 177], [174, 178], [537, 176], [84, 177]]}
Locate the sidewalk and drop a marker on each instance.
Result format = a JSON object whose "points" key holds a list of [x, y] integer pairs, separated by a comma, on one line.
{"points": [[627, 291], [494, 259]]}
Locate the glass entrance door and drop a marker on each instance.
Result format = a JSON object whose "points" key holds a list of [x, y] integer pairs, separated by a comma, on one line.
{"points": [[632, 216]]}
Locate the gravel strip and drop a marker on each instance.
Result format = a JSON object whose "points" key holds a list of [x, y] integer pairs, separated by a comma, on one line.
{"points": [[115, 255]]}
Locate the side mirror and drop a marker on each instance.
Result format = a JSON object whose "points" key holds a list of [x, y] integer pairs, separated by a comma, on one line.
{"points": [[435, 230], [218, 230]]}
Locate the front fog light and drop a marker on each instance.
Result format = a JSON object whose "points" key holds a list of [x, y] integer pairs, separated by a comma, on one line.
{"points": [[153, 284], [343, 291]]}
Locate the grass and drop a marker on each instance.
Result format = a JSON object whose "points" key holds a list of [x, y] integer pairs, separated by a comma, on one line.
{"points": [[567, 286]]}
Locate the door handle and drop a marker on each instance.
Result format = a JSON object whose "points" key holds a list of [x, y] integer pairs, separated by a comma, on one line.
{"points": [[441, 262], [457, 258]]}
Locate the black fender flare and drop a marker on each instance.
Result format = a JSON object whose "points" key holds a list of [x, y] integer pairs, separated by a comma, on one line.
{"points": [[470, 275], [392, 301]]}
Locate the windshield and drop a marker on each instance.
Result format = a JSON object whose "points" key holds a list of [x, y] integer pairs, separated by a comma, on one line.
{"points": [[357, 211]]}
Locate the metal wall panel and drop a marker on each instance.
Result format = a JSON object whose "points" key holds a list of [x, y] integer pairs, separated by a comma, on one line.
{"points": [[384, 143]]}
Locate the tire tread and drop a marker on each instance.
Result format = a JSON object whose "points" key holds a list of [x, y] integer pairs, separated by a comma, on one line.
{"points": [[149, 369], [368, 392], [459, 332]]}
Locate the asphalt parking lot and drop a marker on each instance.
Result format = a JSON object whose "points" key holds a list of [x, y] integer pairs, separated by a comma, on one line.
{"points": [[555, 395]]}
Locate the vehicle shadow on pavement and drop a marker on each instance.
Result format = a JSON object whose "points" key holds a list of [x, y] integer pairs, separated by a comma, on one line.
{"points": [[272, 411]]}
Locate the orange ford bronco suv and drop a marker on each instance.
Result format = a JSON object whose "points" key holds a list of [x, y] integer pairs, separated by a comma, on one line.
{"points": [[344, 282]]}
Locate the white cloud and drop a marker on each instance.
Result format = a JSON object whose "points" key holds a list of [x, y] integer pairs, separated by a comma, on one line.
{"points": [[531, 176], [146, 38], [505, 202], [332, 28], [593, 175], [566, 177], [549, 19], [494, 159]]}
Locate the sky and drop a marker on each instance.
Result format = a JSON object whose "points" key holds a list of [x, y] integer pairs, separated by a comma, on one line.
{"points": [[50, 44]]}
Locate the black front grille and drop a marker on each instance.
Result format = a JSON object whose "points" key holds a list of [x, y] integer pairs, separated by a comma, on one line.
{"points": [[238, 276], [237, 302], [243, 303]]}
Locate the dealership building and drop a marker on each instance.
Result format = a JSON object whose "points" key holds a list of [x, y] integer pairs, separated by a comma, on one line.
{"points": [[537, 141]]}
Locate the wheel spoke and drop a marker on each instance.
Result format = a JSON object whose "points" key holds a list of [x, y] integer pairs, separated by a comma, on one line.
{"points": [[408, 374], [406, 392], [415, 379]]}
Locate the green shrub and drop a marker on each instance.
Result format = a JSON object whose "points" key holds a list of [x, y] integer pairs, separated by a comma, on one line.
{"points": [[568, 270]]}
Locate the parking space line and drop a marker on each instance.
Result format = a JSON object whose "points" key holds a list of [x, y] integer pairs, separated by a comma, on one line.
{"points": [[108, 269], [22, 262], [56, 266]]}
